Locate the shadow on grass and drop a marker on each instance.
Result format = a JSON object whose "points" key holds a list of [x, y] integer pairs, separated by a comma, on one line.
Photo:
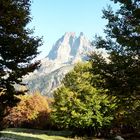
{"points": [[18, 137], [60, 133]]}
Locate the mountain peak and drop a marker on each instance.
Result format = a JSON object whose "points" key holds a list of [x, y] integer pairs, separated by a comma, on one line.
{"points": [[81, 34], [70, 34], [69, 48], [67, 51]]}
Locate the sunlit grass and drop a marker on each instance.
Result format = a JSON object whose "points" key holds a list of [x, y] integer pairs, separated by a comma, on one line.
{"points": [[32, 134], [25, 134]]}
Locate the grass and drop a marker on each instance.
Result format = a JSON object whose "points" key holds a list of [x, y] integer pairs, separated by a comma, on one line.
{"points": [[30, 134]]}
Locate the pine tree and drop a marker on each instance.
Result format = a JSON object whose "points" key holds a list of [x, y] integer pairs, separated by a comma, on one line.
{"points": [[18, 47], [121, 70]]}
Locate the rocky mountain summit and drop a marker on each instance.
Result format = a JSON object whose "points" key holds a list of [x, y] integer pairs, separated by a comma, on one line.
{"points": [[67, 51]]}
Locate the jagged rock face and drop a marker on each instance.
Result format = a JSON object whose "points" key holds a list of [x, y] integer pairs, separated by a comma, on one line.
{"points": [[67, 51], [70, 48]]}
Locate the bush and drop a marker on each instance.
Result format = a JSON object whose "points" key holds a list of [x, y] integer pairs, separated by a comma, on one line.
{"points": [[32, 112]]}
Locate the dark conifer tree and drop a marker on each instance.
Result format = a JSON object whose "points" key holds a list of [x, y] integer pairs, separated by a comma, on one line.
{"points": [[122, 42], [18, 47], [121, 70]]}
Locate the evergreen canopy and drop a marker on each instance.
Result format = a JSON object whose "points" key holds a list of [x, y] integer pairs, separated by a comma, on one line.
{"points": [[121, 70], [18, 47]]}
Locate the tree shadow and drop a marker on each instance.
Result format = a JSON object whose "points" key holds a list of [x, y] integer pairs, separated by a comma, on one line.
{"points": [[60, 133]]}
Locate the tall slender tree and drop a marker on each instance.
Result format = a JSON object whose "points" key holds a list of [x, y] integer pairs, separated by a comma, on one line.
{"points": [[18, 47], [121, 70]]}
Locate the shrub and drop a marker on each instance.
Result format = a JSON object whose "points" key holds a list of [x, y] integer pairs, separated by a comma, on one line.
{"points": [[32, 111]]}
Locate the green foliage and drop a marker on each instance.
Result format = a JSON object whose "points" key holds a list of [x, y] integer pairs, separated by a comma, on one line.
{"points": [[17, 49], [121, 70], [79, 105], [32, 112]]}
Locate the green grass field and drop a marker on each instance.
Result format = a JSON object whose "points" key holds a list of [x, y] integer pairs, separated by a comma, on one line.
{"points": [[31, 134]]}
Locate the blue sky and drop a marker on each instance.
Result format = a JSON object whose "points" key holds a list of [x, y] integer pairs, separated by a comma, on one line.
{"points": [[52, 18]]}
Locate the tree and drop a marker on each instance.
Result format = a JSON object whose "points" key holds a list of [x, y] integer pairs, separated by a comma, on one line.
{"points": [[17, 49], [31, 112], [80, 106], [121, 70]]}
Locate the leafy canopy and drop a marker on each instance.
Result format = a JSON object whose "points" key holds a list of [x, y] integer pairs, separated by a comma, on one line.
{"points": [[31, 112], [79, 105]]}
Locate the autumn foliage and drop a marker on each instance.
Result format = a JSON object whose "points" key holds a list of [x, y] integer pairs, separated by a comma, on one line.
{"points": [[32, 112]]}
